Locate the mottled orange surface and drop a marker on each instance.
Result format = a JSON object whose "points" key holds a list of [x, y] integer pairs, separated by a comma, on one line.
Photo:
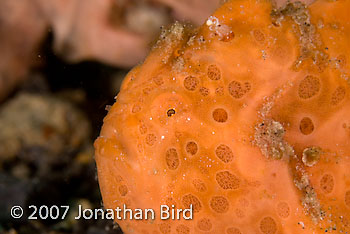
{"points": [[247, 118]]}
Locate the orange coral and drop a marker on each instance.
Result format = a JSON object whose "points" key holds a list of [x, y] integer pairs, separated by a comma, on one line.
{"points": [[246, 118]]}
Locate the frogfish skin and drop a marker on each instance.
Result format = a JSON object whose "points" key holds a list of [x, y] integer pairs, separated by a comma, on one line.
{"points": [[246, 118]]}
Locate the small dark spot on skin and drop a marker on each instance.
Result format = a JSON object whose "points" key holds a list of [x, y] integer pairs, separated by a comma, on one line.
{"points": [[171, 112]]}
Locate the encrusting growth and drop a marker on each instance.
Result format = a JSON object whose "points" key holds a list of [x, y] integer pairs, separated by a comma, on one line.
{"points": [[246, 118]]}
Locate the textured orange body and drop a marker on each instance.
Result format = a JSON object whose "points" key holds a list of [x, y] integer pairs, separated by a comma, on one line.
{"points": [[247, 118]]}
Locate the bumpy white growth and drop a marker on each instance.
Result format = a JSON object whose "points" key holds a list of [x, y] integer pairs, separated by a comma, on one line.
{"points": [[221, 30]]}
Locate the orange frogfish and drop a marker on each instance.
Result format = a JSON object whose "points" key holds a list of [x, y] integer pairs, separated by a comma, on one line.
{"points": [[244, 122]]}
